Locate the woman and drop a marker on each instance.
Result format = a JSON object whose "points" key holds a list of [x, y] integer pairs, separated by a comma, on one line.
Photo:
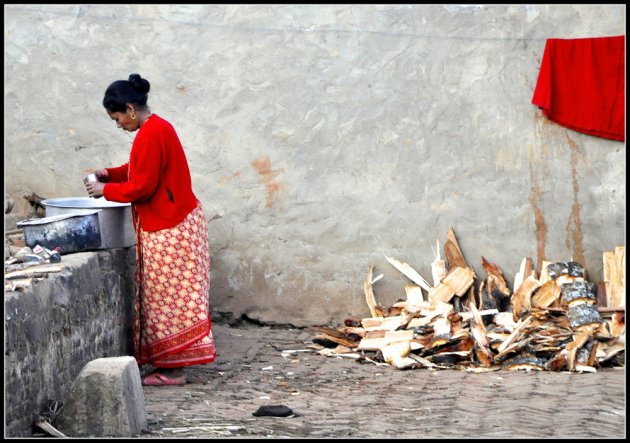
{"points": [[172, 324]]}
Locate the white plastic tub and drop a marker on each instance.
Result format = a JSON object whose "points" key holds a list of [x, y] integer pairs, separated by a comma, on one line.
{"points": [[116, 223]]}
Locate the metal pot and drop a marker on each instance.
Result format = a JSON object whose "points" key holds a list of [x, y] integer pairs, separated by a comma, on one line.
{"points": [[71, 232], [116, 223]]}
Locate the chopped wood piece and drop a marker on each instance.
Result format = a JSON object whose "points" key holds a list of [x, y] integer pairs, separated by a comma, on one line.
{"points": [[521, 299], [546, 294], [520, 325], [469, 315], [380, 333], [401, 335], [422, 361], [387, 323], [495, 277], [405, 362], [329, 352], [526, 362], [409, 272], [33, 271], [49, 429], [326, 336], [482, 344], [453, 253], [21, 283], [369, 293], [438, 267], [353, 330], [395, 350], [526, 269], [544, 272], [572, 348], [414, 296], [615, 277], [456, 282]]}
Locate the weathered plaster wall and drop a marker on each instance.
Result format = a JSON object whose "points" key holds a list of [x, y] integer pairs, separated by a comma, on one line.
{"points": [[323, 137]]}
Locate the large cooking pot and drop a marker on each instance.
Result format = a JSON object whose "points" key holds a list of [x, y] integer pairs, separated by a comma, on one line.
{"points": [[116, 223]]}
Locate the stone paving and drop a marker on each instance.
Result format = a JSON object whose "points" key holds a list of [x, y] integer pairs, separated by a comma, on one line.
{"points": [[343, 398]]}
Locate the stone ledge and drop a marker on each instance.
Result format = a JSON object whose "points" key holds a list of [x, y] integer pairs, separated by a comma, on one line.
{"points": [[57, 325]]}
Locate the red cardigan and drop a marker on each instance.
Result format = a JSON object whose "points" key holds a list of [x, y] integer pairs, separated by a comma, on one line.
{"points": [[156, 180]]}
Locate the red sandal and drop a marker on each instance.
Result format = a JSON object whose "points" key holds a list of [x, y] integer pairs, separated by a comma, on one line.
{"points": [[158, 379]]}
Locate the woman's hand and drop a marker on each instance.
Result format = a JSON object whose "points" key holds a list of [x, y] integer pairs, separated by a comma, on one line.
{"points": [[101, 175], [95, 189]]}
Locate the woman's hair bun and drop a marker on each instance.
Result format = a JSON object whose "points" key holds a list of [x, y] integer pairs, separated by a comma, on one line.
{"points": [[139, 84]]}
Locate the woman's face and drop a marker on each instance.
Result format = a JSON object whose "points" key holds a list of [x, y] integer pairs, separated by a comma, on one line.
{"points": [[123, 119]]}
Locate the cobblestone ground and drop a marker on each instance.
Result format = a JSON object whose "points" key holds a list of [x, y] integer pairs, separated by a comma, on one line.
{"points": [[343, 398]]}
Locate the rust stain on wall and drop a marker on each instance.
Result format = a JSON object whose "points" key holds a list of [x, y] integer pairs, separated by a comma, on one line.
{"points": [[539, 217], [223, 180], [263, 167], [574, 225], [535, 194]]}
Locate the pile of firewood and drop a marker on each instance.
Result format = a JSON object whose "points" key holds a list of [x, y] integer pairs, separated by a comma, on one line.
{"points": [[556, 321]]}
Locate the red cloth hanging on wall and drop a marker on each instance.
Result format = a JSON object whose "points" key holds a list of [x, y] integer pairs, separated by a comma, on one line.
{"points": [[581, 85]]}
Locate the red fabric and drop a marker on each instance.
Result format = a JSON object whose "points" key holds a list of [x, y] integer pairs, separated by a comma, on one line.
{"points": [[157, 166], [581, 85]]}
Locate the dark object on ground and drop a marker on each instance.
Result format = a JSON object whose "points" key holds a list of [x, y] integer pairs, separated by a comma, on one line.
{"points": [[274, 411]]}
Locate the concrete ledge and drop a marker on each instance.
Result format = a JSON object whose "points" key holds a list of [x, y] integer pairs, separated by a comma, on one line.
{"points": [[106, 400], [57, 325]]}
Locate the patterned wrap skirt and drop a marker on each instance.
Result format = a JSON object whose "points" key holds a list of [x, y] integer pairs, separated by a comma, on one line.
{"points": [[172, 324]]}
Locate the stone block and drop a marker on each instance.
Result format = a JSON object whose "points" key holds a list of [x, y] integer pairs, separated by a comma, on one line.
{"points": [[106, 400]]}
